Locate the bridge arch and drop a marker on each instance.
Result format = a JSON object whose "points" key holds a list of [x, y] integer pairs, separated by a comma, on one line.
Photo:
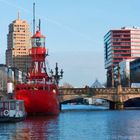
{"points": [[73, 100], [132, 102], [130, 96], [107, 98]]}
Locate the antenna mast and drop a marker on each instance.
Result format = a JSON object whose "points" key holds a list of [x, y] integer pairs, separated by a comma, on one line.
{"points": [[33, 18], [39, 24]]}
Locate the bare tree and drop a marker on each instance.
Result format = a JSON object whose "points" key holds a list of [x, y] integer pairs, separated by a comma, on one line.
{"points": [[67, 85], [3, 80]]}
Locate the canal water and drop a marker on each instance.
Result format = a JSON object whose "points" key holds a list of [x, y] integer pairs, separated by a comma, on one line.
{"points": [[76, 122]]}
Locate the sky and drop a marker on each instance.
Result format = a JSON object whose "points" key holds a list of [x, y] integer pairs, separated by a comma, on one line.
{"points": [[74, 31]]}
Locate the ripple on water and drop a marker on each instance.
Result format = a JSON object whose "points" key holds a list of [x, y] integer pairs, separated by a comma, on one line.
{"points": [[84, 124]]}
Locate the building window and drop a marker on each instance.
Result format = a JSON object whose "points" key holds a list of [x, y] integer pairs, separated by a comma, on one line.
{"points": [[106, 50]]}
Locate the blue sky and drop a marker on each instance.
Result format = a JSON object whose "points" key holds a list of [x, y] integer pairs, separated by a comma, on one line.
{"points": [[74, 31]]}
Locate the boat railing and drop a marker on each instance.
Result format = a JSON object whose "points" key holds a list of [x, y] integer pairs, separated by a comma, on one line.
{"points": [[32, 86], [50, 81]]}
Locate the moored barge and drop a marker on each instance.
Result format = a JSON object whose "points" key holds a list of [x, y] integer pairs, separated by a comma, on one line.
{"points": [[12, 110]]}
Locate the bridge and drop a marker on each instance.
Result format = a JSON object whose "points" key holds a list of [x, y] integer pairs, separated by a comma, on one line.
{"points": [[116, 96]]}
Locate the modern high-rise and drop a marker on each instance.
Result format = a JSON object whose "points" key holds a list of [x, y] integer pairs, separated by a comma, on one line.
{"points": [[18, 45], [120, 44]]}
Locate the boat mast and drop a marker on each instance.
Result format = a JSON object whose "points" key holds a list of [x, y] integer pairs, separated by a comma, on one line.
{"points": [[39, 25], [33, 18]]}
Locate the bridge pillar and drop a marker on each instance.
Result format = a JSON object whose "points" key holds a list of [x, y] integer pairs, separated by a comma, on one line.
{"points": [[118, 99], [116, 105], [119, 105]]}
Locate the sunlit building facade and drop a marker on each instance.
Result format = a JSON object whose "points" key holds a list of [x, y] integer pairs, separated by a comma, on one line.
{"points": [[120, 44], [18, 45]]}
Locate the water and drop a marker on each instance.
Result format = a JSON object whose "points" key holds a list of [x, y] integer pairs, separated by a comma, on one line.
{"points": [[82, 124]]}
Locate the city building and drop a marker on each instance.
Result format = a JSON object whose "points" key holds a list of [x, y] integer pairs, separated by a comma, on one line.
{"points": [[18, 45], [10, 74], [97, 84], [129, 72], [16, 76], [125, 72], [3, 77], [135, 71], [119, 45]]}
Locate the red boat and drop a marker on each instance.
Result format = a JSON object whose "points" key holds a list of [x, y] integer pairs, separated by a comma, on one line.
{"points": [[40, 93]]}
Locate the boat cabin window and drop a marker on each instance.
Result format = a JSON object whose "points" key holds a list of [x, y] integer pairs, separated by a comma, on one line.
{"points": [[12, 106], [19, 106], [38, 42], [6, 105], [1, 105]]}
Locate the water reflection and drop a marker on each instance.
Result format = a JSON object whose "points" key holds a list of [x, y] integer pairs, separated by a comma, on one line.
{"points": [[6, 130], [124, 126], [21, 134], [33, 128], [84, 124], [37, 128]]}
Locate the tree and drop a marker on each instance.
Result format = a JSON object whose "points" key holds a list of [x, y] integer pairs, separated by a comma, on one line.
{"points": [[3, 80], [66, 85]]}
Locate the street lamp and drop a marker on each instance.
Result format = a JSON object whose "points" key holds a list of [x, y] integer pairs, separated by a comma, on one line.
{"points": [[119, 75], [56, 75]]}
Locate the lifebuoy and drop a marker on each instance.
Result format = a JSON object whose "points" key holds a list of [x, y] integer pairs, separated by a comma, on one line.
{"points": [[6, 112]]}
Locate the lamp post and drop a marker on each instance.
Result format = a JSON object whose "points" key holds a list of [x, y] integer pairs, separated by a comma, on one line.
{"points": [[119, 76], [56, 75], [112, 72]]}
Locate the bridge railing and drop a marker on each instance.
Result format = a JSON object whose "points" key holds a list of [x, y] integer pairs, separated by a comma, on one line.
{"points": [[103, 90], [127, 90], [70, 91]]}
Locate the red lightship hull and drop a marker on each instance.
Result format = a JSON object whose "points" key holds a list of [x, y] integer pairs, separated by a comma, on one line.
{"points": [[38, 101], [40, 93]]}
